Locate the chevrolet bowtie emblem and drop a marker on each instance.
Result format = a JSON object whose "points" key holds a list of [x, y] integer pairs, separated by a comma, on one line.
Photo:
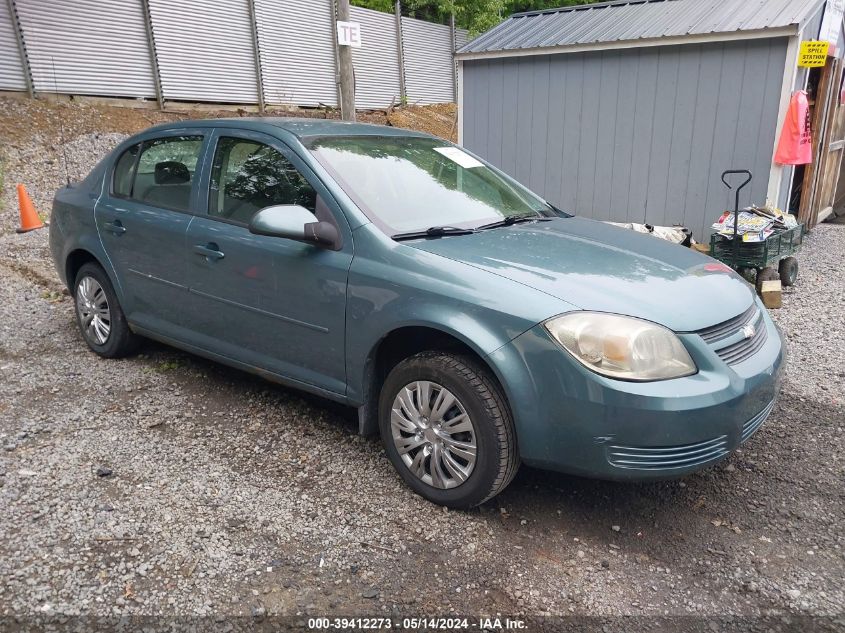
{"points": [[748, 331]]}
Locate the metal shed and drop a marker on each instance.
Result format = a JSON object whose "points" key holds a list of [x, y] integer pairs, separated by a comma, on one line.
{"points": [[629, 111]]}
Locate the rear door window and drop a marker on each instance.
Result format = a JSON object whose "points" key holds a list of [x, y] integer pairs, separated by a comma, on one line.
{"points": [[165, 172]]}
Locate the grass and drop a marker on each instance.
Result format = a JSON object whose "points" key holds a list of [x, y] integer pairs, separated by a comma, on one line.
{"points": [[52, 296], [165, 366]]}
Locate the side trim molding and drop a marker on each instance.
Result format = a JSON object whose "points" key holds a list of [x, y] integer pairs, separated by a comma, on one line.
{"points": [[310, 326]]}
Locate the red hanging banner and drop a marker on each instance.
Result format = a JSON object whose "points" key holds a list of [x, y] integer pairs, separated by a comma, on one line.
{"points": [[795, 146]]}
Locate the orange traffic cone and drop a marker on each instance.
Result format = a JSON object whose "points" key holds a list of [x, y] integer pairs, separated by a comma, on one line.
{"points": [[29, 217]]}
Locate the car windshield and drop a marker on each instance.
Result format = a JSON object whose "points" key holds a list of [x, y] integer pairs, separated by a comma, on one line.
{"points": [[409, 184]]}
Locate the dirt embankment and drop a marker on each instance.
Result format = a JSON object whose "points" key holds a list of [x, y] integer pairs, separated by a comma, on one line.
{"points": [[20, 118]]}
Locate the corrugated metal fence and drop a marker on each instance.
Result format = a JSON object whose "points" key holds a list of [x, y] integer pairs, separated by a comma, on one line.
{"points": [[91, 45], [226, 51], [376, 63], [427, 45], [12, 76], [295, 69]]}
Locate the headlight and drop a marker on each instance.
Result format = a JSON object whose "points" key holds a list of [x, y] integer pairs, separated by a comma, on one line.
{"points": [[622, 347]]}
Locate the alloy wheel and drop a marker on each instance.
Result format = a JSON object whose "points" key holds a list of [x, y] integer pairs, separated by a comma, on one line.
{"points": [[93, 307], [433, 434]]}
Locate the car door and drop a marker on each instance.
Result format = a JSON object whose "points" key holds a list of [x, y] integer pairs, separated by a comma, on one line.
{"points": [[142, 218], [268, 302]]}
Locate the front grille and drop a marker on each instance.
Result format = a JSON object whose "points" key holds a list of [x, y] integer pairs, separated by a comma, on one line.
{"points": [[750, 427], [667, 457], [729, 327], [740, 350]]}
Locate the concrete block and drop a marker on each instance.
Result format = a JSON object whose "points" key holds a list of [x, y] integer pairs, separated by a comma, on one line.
{"points": [[771, 294]]}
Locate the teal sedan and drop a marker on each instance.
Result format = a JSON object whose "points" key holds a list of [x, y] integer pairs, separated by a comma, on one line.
{"points": [[471, 323]]}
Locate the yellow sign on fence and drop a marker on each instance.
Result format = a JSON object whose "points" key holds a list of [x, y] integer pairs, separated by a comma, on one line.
{"points": [[813, 54]]}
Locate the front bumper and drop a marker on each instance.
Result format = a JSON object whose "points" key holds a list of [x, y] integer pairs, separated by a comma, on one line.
{"points": [[572, 420]]}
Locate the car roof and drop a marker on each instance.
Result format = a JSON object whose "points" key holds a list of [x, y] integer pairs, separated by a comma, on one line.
{"points": [[300, 127]]}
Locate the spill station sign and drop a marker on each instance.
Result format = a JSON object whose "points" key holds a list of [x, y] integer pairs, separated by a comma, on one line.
{"points": [[813, 54]]}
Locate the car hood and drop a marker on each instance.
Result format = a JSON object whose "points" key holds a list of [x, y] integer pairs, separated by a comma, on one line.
{"points": [[595, 266]]}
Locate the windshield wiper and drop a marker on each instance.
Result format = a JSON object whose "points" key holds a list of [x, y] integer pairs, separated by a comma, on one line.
{"points": [[514, 219], [433, 231]]}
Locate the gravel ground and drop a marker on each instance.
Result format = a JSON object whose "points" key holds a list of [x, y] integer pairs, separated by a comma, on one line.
{"points": [[167, 485]]}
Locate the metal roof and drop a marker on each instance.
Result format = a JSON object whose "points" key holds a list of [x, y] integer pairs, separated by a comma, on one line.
{"points": [[637, 20]]}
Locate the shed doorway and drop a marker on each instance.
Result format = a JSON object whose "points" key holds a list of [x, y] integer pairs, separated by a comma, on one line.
{"points": [[814, 186]]}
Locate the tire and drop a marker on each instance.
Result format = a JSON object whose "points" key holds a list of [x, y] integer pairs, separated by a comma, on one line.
{"points": [[765, 274], [747, 273], [788, 269], [490, 429], [99, 316]]}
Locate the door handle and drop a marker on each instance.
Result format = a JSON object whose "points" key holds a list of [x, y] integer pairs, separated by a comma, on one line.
{"points": [[115, 227], [209, 251]]}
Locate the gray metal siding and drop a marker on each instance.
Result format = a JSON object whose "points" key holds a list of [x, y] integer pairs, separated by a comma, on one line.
{"points": [[98, 48], [296, 39], [638, 135], [204, 50], [376, 63], [11, 68], [429, 63]]}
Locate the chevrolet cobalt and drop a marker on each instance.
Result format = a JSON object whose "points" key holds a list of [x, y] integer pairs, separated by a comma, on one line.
{"points": [[471, 323]]}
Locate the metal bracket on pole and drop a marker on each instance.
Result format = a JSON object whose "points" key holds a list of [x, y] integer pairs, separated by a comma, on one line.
{"points": [[256, 51], [148, 25], [27, 70], [400, 48]]}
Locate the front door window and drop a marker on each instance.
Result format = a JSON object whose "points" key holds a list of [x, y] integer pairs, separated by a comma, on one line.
{"points": [[248, 176]]}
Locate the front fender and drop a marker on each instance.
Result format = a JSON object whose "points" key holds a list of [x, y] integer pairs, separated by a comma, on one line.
{"points": [[392, 285]]}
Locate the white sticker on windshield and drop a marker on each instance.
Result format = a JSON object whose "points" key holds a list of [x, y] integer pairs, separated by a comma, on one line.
{"points": [[459, 156]]}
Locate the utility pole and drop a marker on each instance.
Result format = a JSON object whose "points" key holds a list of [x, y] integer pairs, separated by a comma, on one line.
{"points": [[344, 64]]}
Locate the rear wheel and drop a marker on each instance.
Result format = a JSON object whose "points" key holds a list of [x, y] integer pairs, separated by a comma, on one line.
{"points": [[747, 273], [447, 429], [765, 274], [99, 315], [788, 269]]}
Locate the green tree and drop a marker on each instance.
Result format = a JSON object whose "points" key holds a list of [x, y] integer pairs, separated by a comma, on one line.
{"points": [[475, 15], [376, 5]]}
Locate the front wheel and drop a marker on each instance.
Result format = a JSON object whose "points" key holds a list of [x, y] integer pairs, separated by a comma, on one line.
{"points": [[447, 429], [99, 315]]}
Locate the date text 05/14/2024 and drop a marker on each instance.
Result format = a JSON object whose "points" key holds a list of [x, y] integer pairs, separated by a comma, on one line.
{"points": [[416, 623]]}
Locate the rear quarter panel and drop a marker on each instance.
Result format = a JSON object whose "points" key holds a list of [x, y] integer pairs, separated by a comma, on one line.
{"points": [[72, 225]]}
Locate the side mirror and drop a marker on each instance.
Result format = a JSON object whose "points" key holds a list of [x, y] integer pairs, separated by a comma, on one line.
{"points": [[294, 222]]}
